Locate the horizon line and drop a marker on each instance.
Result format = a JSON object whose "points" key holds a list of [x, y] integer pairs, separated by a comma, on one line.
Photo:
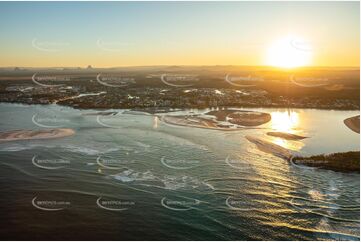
{"points": [[216, 65]]}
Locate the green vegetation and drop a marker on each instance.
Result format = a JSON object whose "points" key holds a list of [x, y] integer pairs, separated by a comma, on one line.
{"points": [[344, 162]]}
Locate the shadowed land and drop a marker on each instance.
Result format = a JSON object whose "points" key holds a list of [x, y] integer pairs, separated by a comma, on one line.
{"points": [[341, 162], [353, 123]]}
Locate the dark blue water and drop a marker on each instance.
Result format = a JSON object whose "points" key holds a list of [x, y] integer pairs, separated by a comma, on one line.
{"points": [[132, 177]]}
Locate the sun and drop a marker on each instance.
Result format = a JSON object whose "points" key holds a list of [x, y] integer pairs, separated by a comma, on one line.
{"points": [[289, 52]]}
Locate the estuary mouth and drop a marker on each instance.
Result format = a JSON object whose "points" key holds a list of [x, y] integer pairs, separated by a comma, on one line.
{"points": [[181, 121]]}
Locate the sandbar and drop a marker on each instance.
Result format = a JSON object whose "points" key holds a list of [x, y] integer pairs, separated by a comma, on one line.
{"points": [[15, 135], [286, 136], [226, 120], [269, 147], [197, 122]]}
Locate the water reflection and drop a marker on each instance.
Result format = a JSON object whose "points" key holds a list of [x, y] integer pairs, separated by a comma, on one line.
{"points": [[288, 144], [155, 122], [284, 121]]}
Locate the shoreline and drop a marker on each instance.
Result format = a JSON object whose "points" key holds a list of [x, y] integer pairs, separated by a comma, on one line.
{"points": [[164, 119], [18, 135], [226, 120], [345, 162], [181, 108]]}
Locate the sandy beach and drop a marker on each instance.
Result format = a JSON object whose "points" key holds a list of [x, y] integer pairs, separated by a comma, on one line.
{"points": [[226, 120], [196, 122], [353, 123], [286, 136], [269, 147], [16, 135]]}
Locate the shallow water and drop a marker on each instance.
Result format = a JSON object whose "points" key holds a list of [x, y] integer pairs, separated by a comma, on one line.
{"points": [[132, 177]]}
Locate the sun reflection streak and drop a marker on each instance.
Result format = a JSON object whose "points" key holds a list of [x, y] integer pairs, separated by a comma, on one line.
{"points": [[155, 122], [281, 142], [288, 144], [284, 121]]}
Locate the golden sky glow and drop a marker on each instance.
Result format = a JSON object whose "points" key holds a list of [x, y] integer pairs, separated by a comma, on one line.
{"points": [[290, 34]]}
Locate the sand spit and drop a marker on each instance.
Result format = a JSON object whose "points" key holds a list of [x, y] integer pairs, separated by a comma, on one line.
{"points": [[269, 147], [197, 122], [353, 123], [340, 162], [286, 136], [16, 135]]}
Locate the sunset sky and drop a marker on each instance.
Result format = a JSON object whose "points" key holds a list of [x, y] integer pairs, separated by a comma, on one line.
{"points": [[109, 34]]}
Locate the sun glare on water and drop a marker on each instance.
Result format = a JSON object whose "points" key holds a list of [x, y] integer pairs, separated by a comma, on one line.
{"points": [[289, 52], [284, 121]]}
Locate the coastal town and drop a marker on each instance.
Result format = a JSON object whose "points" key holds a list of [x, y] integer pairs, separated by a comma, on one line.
{"points": [[91, 94]]}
